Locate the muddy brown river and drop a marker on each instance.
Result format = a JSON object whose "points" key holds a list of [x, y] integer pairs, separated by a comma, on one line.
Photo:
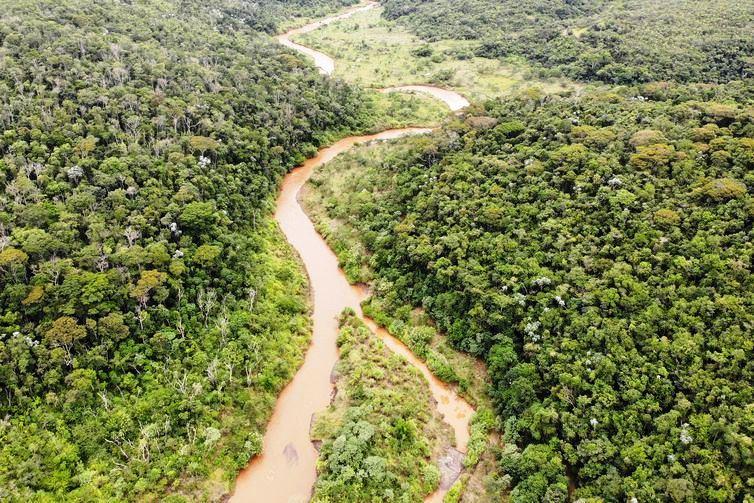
{"points": [[286, 470]]}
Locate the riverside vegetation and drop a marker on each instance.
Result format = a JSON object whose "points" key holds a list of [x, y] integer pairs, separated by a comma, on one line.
{"points": [[381, 429], [613, 42], [593, 247], [596, 251], [150, 312]]}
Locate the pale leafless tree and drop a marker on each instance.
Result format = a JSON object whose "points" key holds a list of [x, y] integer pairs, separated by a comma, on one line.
{"points": [[206, 301], [223, 324], [4, 237], [212, 371], [131, 235], [252, 295], [180, 383], [102, 264], [105, 400], [252, 364]]}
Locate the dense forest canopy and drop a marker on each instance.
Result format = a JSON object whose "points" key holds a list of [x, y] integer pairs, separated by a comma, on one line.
{"points": [[149, 313], [609, 41], [267, 15], [596, 250], [594, 247]]}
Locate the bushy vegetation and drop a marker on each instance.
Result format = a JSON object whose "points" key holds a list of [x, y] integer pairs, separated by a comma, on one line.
{"points": [[381, 430], [615, 42], [411, 326], [596, 250], [269, 15], [367, 47], [149, 310]]}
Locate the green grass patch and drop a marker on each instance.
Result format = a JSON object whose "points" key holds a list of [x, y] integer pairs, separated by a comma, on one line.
{"points": [[399, 110], [374, 52]]}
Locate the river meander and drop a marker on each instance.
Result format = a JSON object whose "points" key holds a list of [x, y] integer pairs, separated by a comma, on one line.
{"points": [[286, 470]]}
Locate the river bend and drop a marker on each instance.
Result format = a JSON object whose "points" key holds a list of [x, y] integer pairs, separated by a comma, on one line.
{"points": [[285, 472]]}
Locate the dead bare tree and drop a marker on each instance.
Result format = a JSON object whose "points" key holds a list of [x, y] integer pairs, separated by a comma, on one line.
{"points": [[252, 295], [206, 300], [131, 235], [223, 324], [4, 237]]}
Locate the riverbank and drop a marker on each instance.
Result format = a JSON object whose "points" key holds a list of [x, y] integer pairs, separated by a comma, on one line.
{"points": [[286, 469], [338, 187]]}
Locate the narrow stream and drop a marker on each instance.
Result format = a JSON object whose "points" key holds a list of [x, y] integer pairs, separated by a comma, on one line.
{"points": [[286, 470], [322, 61], [326, 64]]}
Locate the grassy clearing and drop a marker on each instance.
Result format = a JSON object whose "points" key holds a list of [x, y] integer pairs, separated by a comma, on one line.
{"points": [[399, 110], [374, 52], [300, 15]]}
